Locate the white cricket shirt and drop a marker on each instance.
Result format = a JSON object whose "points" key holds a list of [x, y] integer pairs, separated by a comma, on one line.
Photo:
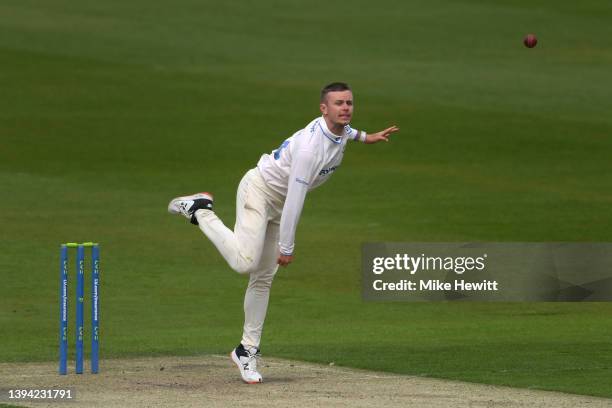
{"points": [[301, 163]]}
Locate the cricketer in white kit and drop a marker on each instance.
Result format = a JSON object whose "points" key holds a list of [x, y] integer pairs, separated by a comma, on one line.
{"points": [[269, 202]]}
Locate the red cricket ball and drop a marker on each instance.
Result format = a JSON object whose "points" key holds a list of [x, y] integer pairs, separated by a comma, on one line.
{"points": [[530, 41]]}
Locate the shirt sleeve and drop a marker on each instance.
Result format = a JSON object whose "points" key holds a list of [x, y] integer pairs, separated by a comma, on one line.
{"points": [[302, 174], [354, 134]]}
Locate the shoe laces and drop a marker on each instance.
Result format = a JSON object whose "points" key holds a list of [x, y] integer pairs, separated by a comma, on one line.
{"points": [[252, 359], [184, 206]]}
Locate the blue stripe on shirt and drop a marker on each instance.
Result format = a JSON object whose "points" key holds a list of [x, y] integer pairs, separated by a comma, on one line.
{"points": [[336, 139]]}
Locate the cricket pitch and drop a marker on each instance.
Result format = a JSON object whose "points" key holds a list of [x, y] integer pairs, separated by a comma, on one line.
{"points": [[213, 381]]}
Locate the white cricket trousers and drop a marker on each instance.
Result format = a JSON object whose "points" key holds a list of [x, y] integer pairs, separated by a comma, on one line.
{"points": [[252, 247]]}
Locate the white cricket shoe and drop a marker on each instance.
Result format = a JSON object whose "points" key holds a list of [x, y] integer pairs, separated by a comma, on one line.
{"points": [[246, 360], [188, 205]]}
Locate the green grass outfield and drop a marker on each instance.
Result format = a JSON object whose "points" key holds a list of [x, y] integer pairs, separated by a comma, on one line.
{"points": [[109, 109]]}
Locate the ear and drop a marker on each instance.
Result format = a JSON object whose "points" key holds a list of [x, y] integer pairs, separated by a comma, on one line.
{"points": [[323, 108]]}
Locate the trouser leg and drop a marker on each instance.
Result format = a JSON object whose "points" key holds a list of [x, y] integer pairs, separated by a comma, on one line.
{"points": [[242, 247], [258, 290]]}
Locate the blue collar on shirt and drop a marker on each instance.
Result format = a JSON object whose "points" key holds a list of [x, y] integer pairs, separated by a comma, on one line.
{"points": [[335, 139]]}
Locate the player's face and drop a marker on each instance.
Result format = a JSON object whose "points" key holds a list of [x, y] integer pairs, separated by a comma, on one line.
{"points": [[338, 107]]}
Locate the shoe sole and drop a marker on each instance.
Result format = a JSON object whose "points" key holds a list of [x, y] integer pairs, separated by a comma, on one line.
{"points": [[206, 195], [234, 358]]}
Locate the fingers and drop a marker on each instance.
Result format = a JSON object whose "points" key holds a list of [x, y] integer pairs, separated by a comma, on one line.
{"points": [[284, 260], [384, 135], [390, 130]]}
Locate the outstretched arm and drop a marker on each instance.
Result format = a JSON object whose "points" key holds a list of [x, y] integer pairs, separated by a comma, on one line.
{"points": [[382, 136]]}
